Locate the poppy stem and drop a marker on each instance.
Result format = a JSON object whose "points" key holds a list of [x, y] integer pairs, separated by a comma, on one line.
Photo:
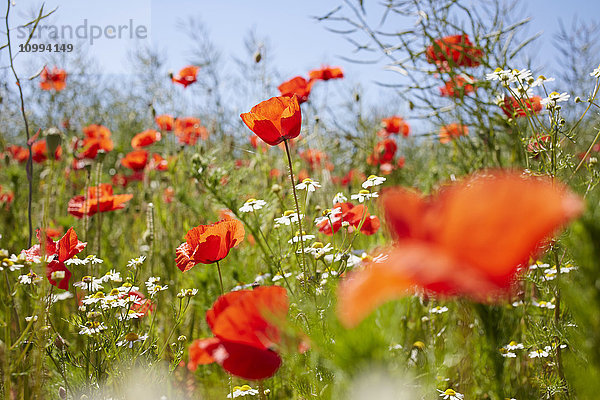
{"points": [[220, 278], [289, 157]]}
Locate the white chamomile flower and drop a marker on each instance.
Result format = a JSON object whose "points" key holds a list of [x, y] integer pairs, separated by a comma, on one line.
{"points": [[113, 276], [31, 318], [288, 218], [507, 354], [554, 98], [252, 204], [130, 314], [305, 237], [242, 391], [544, 304], [187, 293], [93, 260], [136, 262], [505, 76], [438, 310], [373, 180], [514, 346], [364, 195], [308, 184], [451, 394], [278, 277], [596, 73], [339, 198], [539, 353], [30, 279], [89, 283], [131, 338], [91, 328], [77, 261], [541, 80]]}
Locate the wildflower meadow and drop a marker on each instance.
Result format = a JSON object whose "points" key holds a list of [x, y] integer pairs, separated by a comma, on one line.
{"points": [[218, 229]]}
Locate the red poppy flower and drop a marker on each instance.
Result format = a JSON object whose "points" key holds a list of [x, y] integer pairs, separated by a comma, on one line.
{"points": [[145, 138], [538, 144], [135, 160], [383, 153], [296, 86], [353, 215], [18, 153], [57, 253], [165, 122], [513, 109], [188, 130], [247, 328], [168, 195], [55, 80], [326, 73], [452, 131], [207, 244], [186, 75], [315, 158], [353, 176], [158, 163], [396, 125], [97, 138], [458, 86], [39, 151], [275, 120], [454, 50], [6, 198], [97, 202], [469, 239]]}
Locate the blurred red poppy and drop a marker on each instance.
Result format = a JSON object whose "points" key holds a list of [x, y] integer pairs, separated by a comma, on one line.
{"points": [[165, 122], [469, 239], [348, 212], [97, 138], [452, 131], [275, 120], [18, 153], [296, 86], [135, 160], [39, 151], [396, 125], [186, 75], [99, 199], [247, 327], [188, 130], [454, 50], [207, 244], [53, 80], [326, 73], [514, 109], [538, 144], [315, 158], [384, 152], [158, 163], [6, 198], [458, 86], [145, 138]]}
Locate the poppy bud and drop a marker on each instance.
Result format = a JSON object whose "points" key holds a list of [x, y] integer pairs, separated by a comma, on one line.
{"points": [[53, 139], [62, 393], [276, 188], [257, 56]]}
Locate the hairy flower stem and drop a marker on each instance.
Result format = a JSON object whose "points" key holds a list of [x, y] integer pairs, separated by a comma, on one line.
{"points": [[289, 157], [220, 278]]}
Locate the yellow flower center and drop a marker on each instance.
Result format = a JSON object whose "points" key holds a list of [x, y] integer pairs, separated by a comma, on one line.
{"points": [[450, 392], [364, 192], [419, 345], [132, 337], [287, 213], [317, 245]]}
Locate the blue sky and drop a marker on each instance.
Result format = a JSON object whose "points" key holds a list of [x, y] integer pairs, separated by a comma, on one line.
{"points": [[298, 42]]}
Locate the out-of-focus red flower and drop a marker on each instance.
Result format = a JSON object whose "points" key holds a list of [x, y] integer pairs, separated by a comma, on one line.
{"points": [[186, 75], [454, 50], [315, 158], [97, 138], [254, 141], [39, 151], [353, 176], [53, 80], [158, 163], [135, 160], [396, 125], [275, 173], [458, 86], [326, 73], [247, 333], [484, 226], [452, 131], [165, 122], [18, 153], [401, 162], [296, 86], [6, 198], [145, 138], [384, 152], [168, 195], [207, 244], [348, 212], [275, 120], [188, 130], [538, 144], [99, 199], [513, 109]]}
